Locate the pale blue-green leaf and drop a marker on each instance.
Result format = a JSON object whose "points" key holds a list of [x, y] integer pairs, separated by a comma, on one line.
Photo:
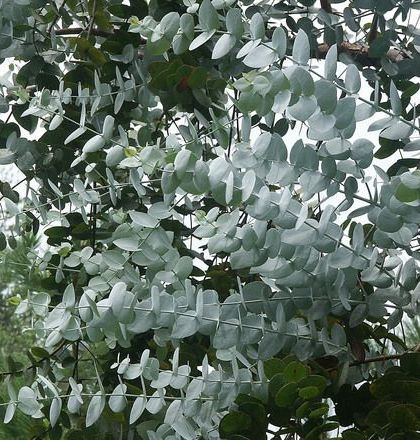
{"points": [[180, 379], [338, 146], [156, 402], [358, 239], [169, 25], [74, 135], [303, 216], [187, 25], [281, 101], [94, 144], [344, 112], [279, 41], [159, 210], [379, 124], [207, 16], [330, 66], [95, 408], [411, 180], [121, 303], [69, 298], [301, 48], [281, 318], [261, 85], [114, 156], [223, 46], [200, 39], [10, 412], [119, 101], [185, 325], [397, 130], [260, 56], [303, 109], [322, 122], [395, 99], [181, 162], [205, 231], [247, 48], [108, 127], [412, 145], [302, 237], [55, 410], [163, 380], [183, 267], [194, 389], [173, 412], [352, 80], [117, 401], [248, 184], [387, 221], [257, 27], [229, 188], [364, 111], [137, 410], [301, 81], [6, 157], [28, 403], [71, 330], [261, 144], [40, 303], [55, 122], [270, 345], [184, 428], [234, 23], [113, 259], [127, 243], [226, 334], [326, 215], [408, 275], [350, 19], [326, 95], [143, 219]]}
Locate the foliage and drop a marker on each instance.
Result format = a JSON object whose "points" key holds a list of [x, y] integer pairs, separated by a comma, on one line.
{"points": [[220, 240], [15, 279]]}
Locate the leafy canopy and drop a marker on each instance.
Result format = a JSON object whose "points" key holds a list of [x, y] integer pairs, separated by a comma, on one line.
{"points": [[225, 251]]}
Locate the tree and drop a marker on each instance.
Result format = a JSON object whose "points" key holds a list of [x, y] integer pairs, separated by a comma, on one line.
{"points": [[225, 251]]}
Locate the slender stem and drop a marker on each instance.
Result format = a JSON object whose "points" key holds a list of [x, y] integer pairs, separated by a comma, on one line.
{"points": [[79, 30], [383, 358], [92, 19]]}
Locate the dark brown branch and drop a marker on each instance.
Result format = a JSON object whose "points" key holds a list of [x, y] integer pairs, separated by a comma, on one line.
{"points": [[378, 359], [360, 53], [35, 364], [79, 30], [326, 6]]}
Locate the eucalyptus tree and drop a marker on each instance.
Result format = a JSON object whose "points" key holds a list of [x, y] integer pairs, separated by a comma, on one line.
{"points": [[226, 252]]}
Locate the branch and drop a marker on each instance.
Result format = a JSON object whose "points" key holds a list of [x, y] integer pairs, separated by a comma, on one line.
{"points": [[92, 20], [379, 359], [326, 6], [35, 364], [79, 30], [360, 53]]}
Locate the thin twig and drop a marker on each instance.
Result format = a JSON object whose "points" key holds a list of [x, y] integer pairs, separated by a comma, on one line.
{"points": [[79, 30], [92, 19]]}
